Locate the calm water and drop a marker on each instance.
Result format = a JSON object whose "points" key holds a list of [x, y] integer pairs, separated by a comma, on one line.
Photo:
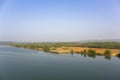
{"points": [[25, 64]]}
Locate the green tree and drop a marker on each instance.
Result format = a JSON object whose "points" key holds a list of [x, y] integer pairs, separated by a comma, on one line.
{"points": [[91, 53], [107, 54], [46, 49]]}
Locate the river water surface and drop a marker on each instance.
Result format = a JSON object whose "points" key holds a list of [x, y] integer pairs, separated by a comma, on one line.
{"points": [[26, 64]]}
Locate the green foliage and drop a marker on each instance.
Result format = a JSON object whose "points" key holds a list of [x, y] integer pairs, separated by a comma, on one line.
{"points": [[107, 54], [108, 45], [46, 49], [91, 53]]}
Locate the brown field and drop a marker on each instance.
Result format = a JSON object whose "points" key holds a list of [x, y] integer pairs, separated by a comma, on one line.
{"points": [[79, 49]]}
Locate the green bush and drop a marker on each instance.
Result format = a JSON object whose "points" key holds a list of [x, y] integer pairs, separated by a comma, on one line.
{"points": [[46, 49], [91, 53], [107, 54]]}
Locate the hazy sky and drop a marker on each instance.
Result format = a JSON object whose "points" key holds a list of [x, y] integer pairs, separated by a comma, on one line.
{"points": [[59, 20]]}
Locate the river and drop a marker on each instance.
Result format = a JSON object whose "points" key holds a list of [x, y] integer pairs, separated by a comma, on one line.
{"points": [[26, 64]]}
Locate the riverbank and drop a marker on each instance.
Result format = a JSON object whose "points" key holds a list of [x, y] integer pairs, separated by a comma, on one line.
{"points": [[89, 48], [100, 51]]}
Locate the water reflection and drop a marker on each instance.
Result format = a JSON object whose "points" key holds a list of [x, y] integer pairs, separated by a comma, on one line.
{"points": [[108, 57], [118, 56], [85, 55], [91, 55], [26, 65]]}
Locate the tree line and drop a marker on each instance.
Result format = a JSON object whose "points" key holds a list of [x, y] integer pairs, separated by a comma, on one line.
{"points": [[107, 45]]}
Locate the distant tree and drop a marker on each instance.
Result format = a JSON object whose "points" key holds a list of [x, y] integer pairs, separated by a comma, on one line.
{"points": [[91, 53], [46, 49], [107, 54]]}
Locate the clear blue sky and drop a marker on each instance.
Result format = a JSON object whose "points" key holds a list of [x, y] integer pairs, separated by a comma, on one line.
{"points": [[59, 20]]}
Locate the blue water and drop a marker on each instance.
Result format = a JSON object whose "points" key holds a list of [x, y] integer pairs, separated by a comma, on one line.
{"points": [[26, 64]]}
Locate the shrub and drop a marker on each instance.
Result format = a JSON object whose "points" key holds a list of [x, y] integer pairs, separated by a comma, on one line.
{"points": [[107, 54], [91, 53], [46, 49]]}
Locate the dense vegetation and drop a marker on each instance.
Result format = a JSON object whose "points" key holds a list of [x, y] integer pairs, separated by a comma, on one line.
{"points": [[46, 45], [108, 45], [91, 53], [107, 54]]}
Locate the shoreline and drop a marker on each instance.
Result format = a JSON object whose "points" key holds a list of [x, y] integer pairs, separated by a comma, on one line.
{"points": [[79, 50], [90, 48]]}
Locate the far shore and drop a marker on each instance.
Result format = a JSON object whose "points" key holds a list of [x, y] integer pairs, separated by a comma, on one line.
{"points": [[89, 48]]}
